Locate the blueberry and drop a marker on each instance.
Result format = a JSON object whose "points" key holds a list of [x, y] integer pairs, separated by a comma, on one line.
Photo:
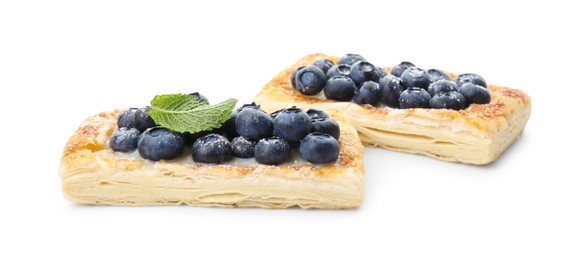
{"points": [[340, 88], [242, 147], [159, 143], [350, 59], [397, 70], [124, 139], [199, 96], [190, 138], [327, 126], [414, 98], [368, 93], [414, 77], [470, 77], [381, 72], [292, 77], [475, 94], [323, 64], [363, 71], [228, 128], [254, 124], [292, 124], [442, 85], [212, 148], [449, 100], [126, 117], [247, 106], [310, 80], [319, 148], [391, 88], [315, 113], [272, 151], [142, 120], [339, 70], [436, 75], [276, 113]]}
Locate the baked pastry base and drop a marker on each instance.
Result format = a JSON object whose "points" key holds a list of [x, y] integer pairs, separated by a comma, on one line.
{"points": [[476, 135], [91, 173]]}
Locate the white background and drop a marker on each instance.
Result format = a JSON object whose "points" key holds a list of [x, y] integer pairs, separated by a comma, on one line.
{"points": [[62, 61]]}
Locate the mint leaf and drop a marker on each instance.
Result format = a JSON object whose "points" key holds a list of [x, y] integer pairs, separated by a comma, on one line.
{"points": [[183, 113]]}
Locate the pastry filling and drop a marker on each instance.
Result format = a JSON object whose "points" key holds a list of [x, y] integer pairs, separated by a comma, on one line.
{"points": [[405, 86], [186, 158], [246, 136]]}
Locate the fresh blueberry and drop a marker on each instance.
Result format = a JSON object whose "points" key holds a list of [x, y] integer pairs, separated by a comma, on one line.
{"points": [[391, 88], [159, 143], [470, 77], [254, 124], [126, 117], [242, 147], [247, 106], [339, 70], [414, 98], [276, 113], [310, 80], [212, 148], [228, 128], [142, 120], [272, 151], [449, 100], [414, 77], [199, 96], [327, 126], [190, 138], [436, 75], [292, 78], [315, 113], [381, 72], [124, 139], [350, 59], [323, 64], [397, 70], [368, 93], [442, 85], [319, 148], [363, 71], [340, 88], [292, 124], [475, 94]]}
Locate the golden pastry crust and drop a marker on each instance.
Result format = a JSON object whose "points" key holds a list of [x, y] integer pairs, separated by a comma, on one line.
{"points": [[92, 173], [476, 135]]}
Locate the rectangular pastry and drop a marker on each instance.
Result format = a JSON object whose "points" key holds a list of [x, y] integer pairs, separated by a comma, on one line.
{"points": [[92, 173], [475, 135]]}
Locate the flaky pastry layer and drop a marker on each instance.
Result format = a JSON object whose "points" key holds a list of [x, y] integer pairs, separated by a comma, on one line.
{"points": [[91, 173], [476, 135]]}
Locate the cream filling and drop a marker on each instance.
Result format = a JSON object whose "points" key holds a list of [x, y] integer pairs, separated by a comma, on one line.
{"points": [[186, 159]]}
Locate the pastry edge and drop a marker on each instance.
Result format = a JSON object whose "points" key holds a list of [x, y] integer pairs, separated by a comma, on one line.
{"points": [[478, 148]]}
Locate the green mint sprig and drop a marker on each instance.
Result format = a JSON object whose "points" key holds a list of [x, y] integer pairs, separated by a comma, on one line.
{"points": [[186, 114]]}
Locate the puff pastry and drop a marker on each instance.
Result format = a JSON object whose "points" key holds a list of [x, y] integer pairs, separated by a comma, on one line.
{"points": [[476, 135], [91, 173]]}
